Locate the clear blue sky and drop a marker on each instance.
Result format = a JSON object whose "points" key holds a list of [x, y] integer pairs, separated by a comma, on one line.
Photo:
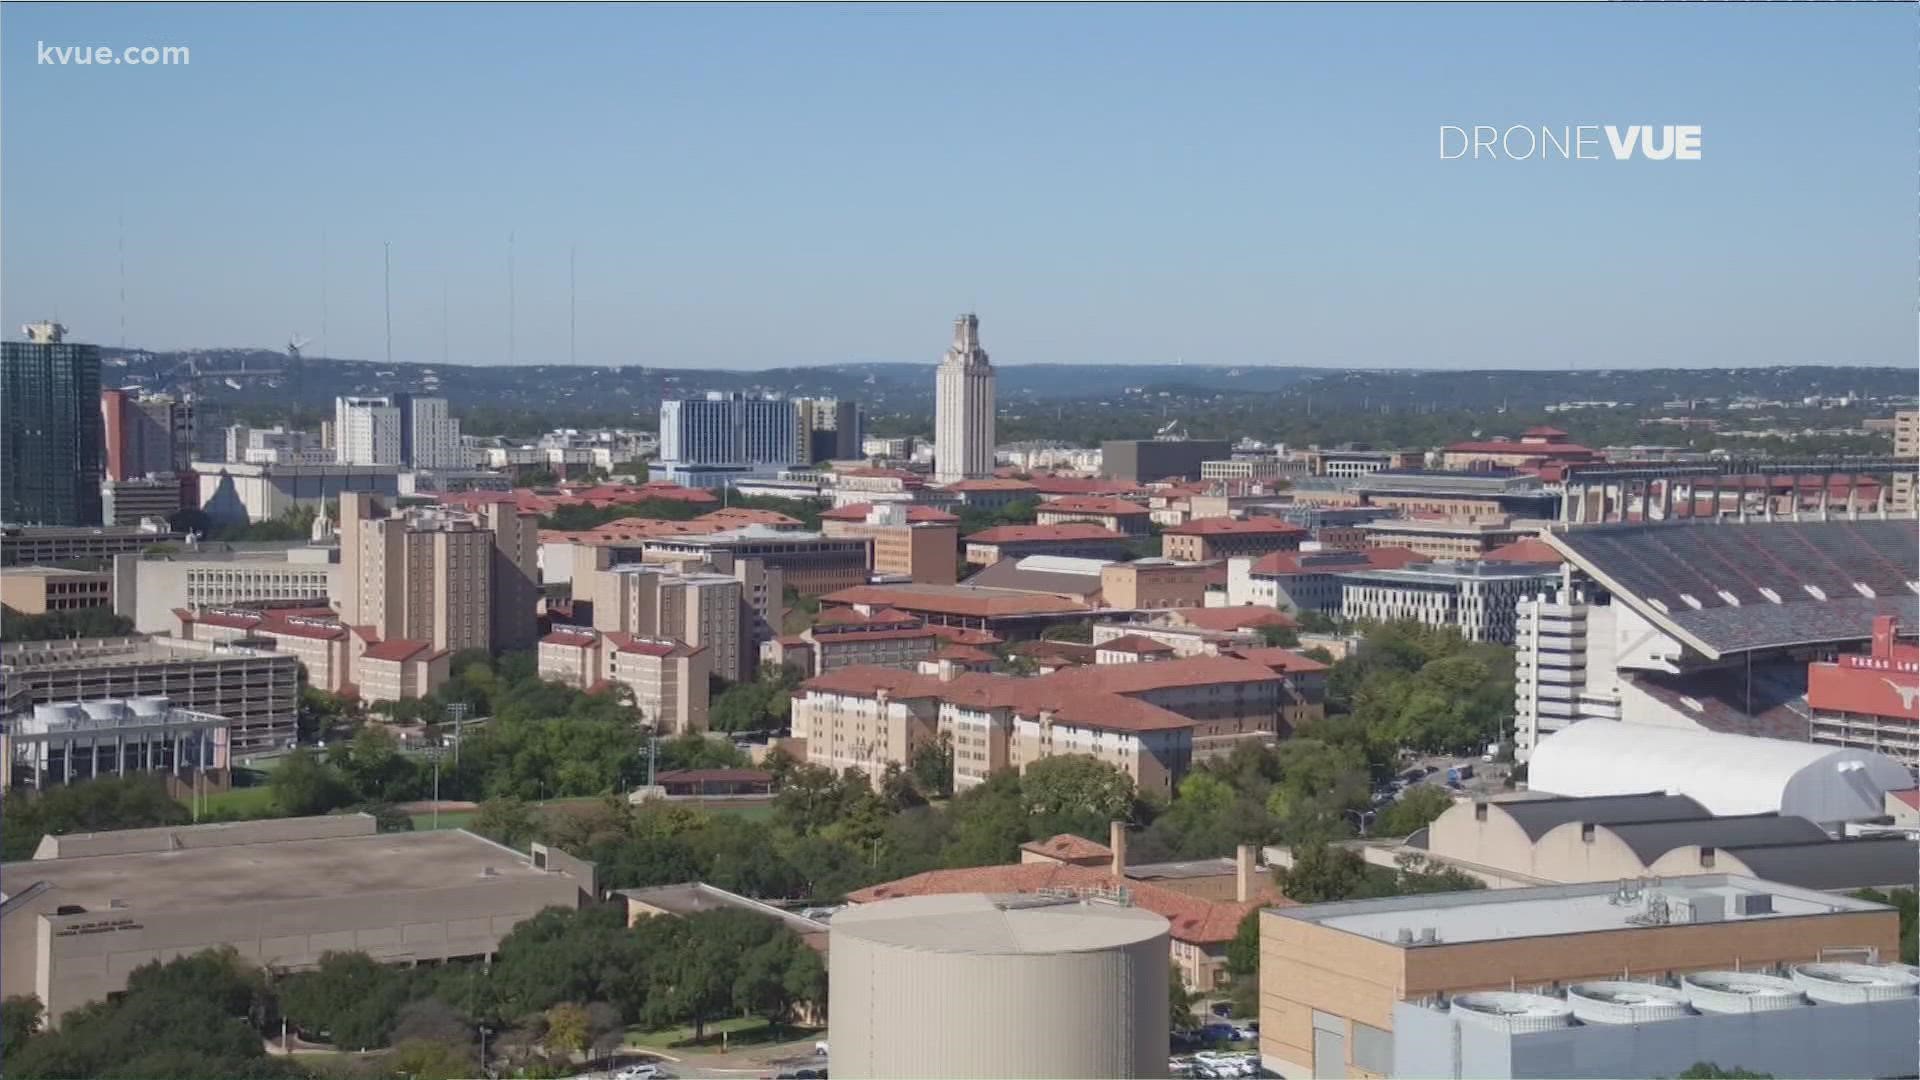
{"points": [[751, 187]]}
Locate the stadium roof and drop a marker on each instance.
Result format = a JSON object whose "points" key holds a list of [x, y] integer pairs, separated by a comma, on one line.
{"points": [[1727, 774], [1725, 588], [1872, 862]]}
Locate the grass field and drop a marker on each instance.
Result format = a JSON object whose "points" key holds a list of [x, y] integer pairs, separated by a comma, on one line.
{"points": [[239, 802], [459, 819], [732, 1033]]}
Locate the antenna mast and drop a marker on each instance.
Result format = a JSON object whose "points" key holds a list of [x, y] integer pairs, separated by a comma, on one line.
{"points": [[323, 291], [513, 351], [573, 349], [387, 289], [123, 278]]}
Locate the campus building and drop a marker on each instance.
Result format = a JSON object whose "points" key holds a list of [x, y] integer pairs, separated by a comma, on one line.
{"points": [[36, 590], [148, 590], [1479, 599], [91, 907], [50, 440], [61, 744], [963, 406]]}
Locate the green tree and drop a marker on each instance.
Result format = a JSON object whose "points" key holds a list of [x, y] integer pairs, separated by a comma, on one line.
{"points": [[1067, 784], [19, 1021], [1413, 811], [507, 821], [932, 767], [1243, 952], [1285, 637], [1706, 1070], [1907, 903], [567, 1028], [305, 784], [428, 1059], [1180, 1003], [1322, 873], [117, 802], [92, 622], [349, 999], [1077, 632]]}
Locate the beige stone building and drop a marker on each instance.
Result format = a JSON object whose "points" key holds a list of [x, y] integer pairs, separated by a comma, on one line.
{"points": [[89, 908], [1117, 515], [1331, 974], [1438, 539], [352, 661], [1206, 539], [918, 543], [1153, 583], [36, 590], [668, 679], [704, 610], [436, 575]]}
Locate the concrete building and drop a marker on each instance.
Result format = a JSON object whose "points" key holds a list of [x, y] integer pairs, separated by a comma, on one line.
{"points": [[452, 579], [351, 661], [1535, 446], [1563, 668], [1141, 461], [59, 744], [912, 542], [1459, 496], [1265, 468], [1442, 539], [1149, 584], [149, 590], [1207, 539], [88, 909], [1831, 1019], [890, 639], [255, 689], [826, 429], [963, 407], [276, 446], [131, 501], [20, 546], [1867, 701], [234, 493], [1299, 581], [429, 437], [704, 610], [1332, 975], [1081, 540], [811, 563], [50, 429], [1114, 515], [1906, 444], [668, 679], [1550, 840], [990, 492], [1728, 774], [1006, 614], [36, 590], [1009, 986], [1479, 599], [367, 431]]}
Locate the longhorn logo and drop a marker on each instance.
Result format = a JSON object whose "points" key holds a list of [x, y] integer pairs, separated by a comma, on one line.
{"points": [[1907, 693]]}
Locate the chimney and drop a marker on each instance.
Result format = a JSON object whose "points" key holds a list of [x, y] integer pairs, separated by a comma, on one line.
{"points": [[1883, 631], [1246, 868], [1117, 840]]}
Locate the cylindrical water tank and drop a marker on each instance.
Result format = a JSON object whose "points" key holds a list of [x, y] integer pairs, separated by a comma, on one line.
{"points": [[1845, 984], [103, 710], [1626, 1002], [998, 986], [1739, 992], [1512, 1011], [57, 714]]}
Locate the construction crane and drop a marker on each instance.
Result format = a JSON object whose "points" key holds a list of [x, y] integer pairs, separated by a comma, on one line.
{"points": [[295, 344]]}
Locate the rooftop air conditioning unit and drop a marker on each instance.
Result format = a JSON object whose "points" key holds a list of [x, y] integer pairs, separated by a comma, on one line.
{"points": [[1846, 984], [1510, 1011]]}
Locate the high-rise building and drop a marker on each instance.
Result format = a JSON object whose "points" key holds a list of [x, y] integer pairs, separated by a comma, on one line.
{"points": [[144, 435], [1563, 666], [429, 575], [50, 437], [826, 429], [429, 438], [1906, 444], [729, 430], [963, 407], [366, 431]]}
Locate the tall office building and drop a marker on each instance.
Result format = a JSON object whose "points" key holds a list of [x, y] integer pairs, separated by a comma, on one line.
{"points": [[963, 407], [366, 431], [429, 438], [146, 434], [50, 431], [1906, 444], [825, 429], [452, 579], [705, 442]]}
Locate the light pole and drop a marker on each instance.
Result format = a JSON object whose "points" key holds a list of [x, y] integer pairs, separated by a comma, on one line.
{"points": [[1361, 818], [457, 710], [434, 754]]}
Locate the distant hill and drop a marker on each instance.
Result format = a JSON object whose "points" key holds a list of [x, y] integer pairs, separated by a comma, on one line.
{"points": [[633, 394]]}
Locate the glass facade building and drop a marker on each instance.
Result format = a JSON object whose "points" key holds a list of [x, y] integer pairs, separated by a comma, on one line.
{"points": [[50, 433]]}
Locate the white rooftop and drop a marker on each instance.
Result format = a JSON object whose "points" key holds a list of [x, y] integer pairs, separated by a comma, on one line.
{"points": [[1063, 564]]}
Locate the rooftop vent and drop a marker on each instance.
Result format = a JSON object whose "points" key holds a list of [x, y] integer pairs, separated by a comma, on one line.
{"points": [[1625, 1002], [1844, 984], [1864, 589], [1770, 594], [1815, 591], [1513, 1011], [1739, 992]]}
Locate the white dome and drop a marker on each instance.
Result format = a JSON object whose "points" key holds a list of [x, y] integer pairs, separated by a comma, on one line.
{"points": [[1727, 774]]}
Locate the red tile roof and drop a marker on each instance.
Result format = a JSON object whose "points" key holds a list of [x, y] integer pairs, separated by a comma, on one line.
{"points": [[964, 654], [1010, 534], [734, 516], [1224, 526], [1134, 643], [1068, 846], [961, 600], [961, 635], [1284, 661], [1245, 617], [1910, 796], [397, 650], [1092, 504], [1544, 432], [1284, 563], [1191, 919], [1071, 702], [1531, 449], [997, 483], [916, 514], [644, 646], [1161, 675], [1047, 484], [578, 638], [1527, 549]]}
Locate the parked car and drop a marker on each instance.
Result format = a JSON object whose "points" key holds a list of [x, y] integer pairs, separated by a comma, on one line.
{"points": [[638, 1072], [1222, 1009], [820, 1048]]}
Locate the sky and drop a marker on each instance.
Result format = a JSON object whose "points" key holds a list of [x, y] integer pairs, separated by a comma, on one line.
{"points": [[751, 187]]}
